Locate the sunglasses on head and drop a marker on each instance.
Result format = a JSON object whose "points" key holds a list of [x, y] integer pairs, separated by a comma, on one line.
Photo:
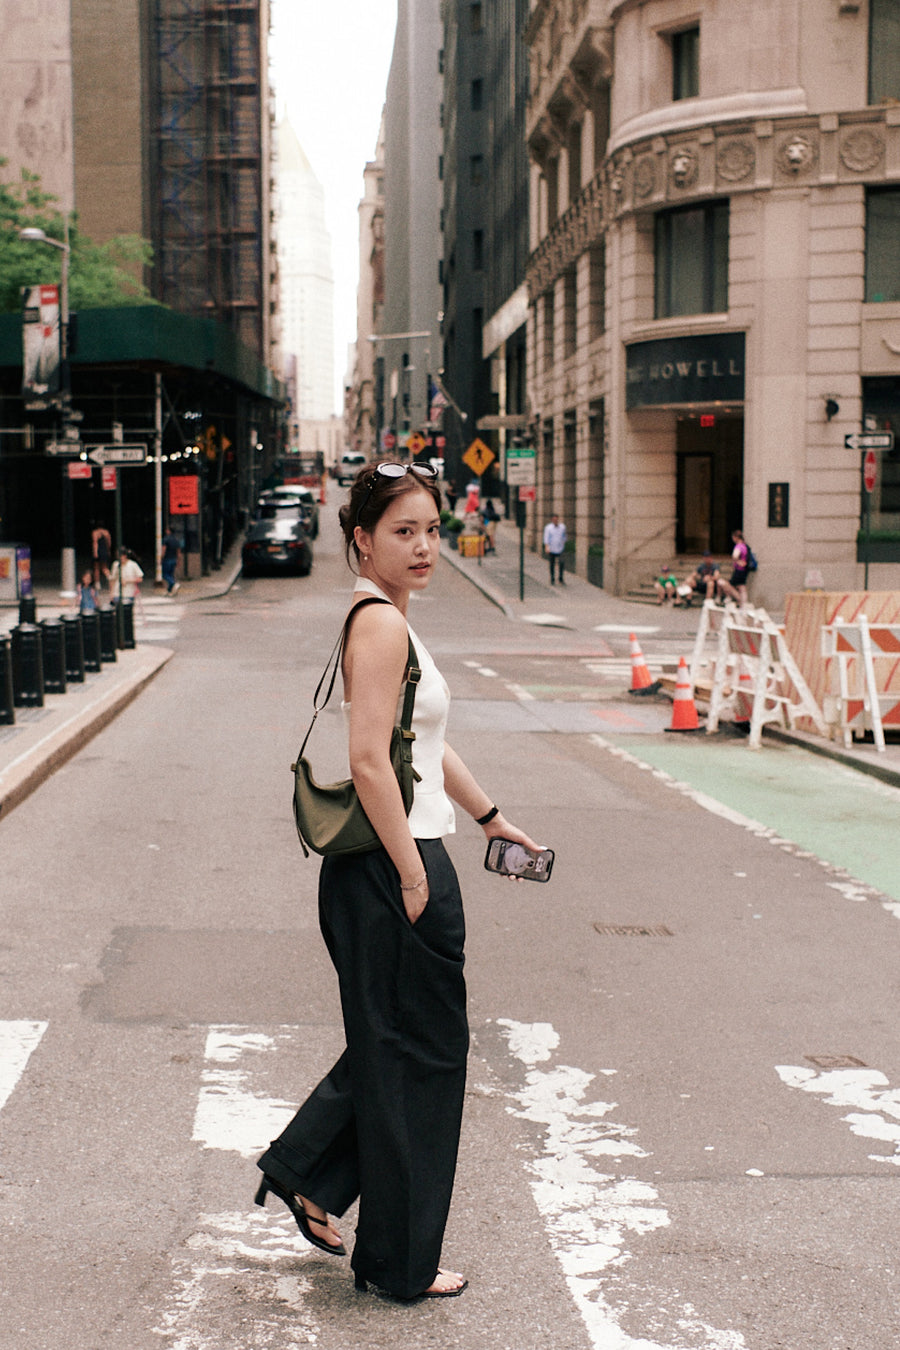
{"points": [[391, 470]]}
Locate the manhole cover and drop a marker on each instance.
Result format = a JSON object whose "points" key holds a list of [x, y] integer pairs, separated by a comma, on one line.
{"points": [[633, 930]]}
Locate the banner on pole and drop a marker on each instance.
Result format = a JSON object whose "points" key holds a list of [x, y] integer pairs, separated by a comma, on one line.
{"points": [[40, 345]]}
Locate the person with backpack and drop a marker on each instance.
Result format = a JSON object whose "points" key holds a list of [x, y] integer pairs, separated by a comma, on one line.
{"points": [[742, 563]]}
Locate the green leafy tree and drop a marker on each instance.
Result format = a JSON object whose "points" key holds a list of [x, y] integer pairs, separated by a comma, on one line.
{"points": [[100, 275]]}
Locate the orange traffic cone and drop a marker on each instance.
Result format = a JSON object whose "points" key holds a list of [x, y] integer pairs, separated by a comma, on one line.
{"points": [[684, 710], [641, 680]]}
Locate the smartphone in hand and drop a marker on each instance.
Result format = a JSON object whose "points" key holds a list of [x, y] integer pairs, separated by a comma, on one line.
{"points": [[510, 859]]}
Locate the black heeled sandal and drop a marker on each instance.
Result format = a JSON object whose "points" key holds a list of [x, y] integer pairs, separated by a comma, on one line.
{"points": [[303, 1220], [362, 1284]]}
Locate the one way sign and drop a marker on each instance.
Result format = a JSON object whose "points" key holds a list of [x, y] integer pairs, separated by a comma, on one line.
{"points": [[869, 440]]}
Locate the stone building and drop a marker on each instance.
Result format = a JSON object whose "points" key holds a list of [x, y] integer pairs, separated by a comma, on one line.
{"points": [[412, 218], [365, 393], [714, 284]]}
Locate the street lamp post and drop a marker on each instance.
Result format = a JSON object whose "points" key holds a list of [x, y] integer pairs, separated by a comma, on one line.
{"points": [[34, 235]]}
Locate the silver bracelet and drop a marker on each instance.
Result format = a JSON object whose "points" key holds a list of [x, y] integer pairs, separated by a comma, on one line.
{"points": [[416, 884]]}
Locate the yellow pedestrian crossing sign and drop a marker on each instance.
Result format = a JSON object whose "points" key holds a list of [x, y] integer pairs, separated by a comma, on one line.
{"points": [[416, 443], [479, 456]]}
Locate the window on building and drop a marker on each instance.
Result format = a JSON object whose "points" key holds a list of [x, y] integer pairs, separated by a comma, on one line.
{"points": [[476, 18], [551, 177], [884, 51], [477, 95], [573, 152], [597, 291], [476, 168], [570, 312], [441, 168], [686, 63], [882, 244], [691, 260], [478, 250], [548, 304]]}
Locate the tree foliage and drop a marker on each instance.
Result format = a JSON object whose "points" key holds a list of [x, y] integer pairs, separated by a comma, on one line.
{"points": [[100, 275]]}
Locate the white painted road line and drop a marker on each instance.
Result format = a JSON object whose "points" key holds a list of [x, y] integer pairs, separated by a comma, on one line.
{"points": [[18, 1040], [229, 1114], [877, 1114], [590, 1214]]}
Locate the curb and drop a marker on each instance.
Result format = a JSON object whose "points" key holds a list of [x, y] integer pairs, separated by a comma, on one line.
{"points": [[487, 590], [828, 750], [50, 750]]}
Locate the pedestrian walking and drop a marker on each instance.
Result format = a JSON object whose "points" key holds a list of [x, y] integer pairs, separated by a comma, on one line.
{"points": [[490, 518], [101, 553], [555, 547], [126, 579], [171, 552], [384, 1123]]}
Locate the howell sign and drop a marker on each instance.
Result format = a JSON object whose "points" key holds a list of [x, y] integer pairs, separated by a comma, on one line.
{"points": [[704, 369]]}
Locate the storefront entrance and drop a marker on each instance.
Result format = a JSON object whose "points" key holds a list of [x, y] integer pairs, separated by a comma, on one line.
{"points": [[709, 483]]}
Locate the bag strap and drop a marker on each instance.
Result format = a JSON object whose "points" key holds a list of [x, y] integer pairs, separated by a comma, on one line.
{"points": [[412, 675]]}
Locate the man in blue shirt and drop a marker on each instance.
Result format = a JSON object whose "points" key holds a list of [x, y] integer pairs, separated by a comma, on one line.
{"points": [[555, 546]]}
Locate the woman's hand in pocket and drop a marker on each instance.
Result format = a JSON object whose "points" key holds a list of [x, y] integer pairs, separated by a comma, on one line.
{"points": [[415, 897]]}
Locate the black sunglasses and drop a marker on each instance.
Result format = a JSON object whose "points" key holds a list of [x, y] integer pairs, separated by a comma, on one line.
{"points": [[391, 470]]}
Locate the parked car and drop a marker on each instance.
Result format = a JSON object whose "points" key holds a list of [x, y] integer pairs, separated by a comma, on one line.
{"points": [[349, 467], [294, 498], [277, 545]]}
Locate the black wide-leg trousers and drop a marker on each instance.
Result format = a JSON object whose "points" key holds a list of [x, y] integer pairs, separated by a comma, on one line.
{"points": [[384, 1123]]}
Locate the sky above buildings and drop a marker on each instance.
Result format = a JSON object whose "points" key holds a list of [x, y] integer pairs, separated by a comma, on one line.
{"points": [[330, 63]]}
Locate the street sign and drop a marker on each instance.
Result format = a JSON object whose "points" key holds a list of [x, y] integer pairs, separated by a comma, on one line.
{"points": [[63, 448], [109, 478], [388, 440], [528, 494], [184, 495], [416, 443], [870, 470], [869, 440], [479, 456], [521, 463], [79, 470], [117, 454]]}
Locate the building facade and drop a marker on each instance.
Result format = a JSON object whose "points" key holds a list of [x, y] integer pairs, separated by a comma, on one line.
{"points": [[306, 283], [365, 394], [714, 284], [412, 217]]}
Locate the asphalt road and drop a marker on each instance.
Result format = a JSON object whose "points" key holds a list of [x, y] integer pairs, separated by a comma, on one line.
{"points": [[683, 1116]]}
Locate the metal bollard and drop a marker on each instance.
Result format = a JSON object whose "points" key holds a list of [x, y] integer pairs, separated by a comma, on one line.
{"points": [[73, 642], [126, 629], [28, 666], [54, 654], [90, 636], [107, 635], [27, 609], [7, 704]]}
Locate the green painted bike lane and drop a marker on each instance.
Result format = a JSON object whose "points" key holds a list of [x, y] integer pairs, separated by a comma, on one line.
{"points": [[841, 815]]}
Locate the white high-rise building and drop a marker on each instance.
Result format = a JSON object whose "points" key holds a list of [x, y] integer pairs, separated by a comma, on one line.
{"points": [[306, 281]]}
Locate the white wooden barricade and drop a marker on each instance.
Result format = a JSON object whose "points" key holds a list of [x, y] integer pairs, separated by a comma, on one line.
{"points": [[764, 680], [857, 645]]}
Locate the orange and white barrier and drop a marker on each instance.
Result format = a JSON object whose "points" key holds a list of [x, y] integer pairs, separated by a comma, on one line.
{"points": [[860, 705], [756, 672]]}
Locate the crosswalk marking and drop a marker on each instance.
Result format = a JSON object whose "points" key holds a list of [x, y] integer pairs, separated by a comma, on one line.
{"points": [[591, 1215], [18, 1040], [877, 1114], [230, 1115]]}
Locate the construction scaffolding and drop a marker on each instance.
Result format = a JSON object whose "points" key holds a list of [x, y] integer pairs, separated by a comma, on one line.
{"points": [[209, 128]]}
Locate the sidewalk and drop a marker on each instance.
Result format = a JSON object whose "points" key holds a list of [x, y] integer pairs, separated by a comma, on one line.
{"points": [[41, 739], [582, 608]]}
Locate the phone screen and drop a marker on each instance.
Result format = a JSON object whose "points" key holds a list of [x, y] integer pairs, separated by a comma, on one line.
{"points": [[510, 859]]}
